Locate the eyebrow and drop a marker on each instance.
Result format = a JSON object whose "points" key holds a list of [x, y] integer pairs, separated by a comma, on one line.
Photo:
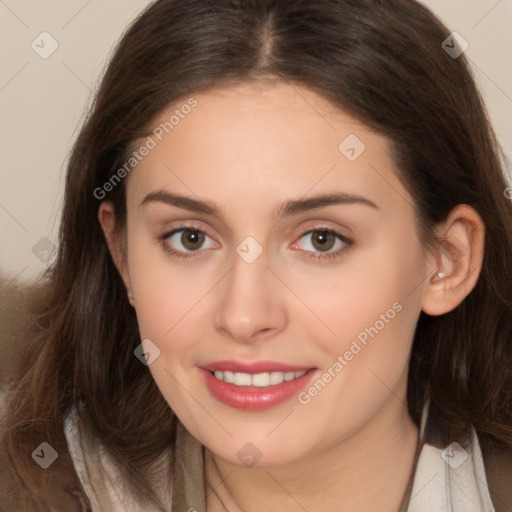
{"points": [[287, 209]]}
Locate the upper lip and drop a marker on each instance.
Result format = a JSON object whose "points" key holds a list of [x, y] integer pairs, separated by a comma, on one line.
{"points": [[253, 367]]}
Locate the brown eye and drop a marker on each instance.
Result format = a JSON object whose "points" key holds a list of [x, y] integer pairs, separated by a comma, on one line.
{"points": [[323, 240], [192, 239], [323, 244], [186, 241]]}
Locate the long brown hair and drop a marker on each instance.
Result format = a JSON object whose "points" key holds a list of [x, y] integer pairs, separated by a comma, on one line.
{"points": [[382, 61]]}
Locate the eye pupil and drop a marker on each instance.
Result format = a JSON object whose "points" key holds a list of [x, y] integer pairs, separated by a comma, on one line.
{"points": [[192, 239], [325, 239]]}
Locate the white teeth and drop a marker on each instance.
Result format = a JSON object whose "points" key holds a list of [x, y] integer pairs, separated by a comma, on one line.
{"points": [[276, 378], [261, 379], [242, 379], [257, 379]]}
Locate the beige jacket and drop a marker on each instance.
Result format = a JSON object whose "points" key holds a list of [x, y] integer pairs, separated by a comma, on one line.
{"points": [[445, 477]]}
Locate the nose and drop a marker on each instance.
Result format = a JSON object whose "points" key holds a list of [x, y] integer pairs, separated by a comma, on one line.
{"points": [[252, 305]]}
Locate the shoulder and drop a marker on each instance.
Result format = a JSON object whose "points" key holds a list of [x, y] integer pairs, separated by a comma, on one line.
{"points": [[19, 302], [102, 479], [460, 474], [63, 492]]}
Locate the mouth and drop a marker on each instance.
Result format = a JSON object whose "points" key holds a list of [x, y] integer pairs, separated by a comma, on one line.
{"points": [[246, 386]]}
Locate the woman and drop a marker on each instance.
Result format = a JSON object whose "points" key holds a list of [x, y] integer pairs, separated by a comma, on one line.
{"points": [[283, 279]]}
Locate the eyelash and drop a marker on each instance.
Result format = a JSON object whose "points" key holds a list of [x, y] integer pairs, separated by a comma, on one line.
{"points": [[316, 256]]}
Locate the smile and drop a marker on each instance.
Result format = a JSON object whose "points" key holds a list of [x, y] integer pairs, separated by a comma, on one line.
{"points": [[255, 389], [257, 379]]}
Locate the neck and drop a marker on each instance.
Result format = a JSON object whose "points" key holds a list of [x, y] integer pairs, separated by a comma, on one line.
{"points": [[372, 467]]}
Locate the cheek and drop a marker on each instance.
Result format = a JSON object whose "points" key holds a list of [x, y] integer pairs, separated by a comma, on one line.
{"points": [[368, 311], [160, 287], [342, 301], [168, 307], [168, 310], [374, 325]]}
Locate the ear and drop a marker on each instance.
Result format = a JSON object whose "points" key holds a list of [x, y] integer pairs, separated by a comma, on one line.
{"points": [[117, 247], [458, 261]]}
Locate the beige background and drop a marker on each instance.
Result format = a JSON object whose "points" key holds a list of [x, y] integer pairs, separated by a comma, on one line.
{"points": [[42, 100]]}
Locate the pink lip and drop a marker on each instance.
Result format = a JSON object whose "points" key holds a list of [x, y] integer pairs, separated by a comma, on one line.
{"points": [[253, 398], [253, 367]]}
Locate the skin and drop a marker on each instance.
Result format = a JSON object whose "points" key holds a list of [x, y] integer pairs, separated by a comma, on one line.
{"points": [[249, 148]]}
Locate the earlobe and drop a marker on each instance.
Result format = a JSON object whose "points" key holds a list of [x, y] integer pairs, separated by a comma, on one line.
{"points": [[458, 261], [107, 220]]}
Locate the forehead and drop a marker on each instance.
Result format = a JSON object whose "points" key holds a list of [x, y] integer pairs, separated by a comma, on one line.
{"points": [[262, 140]]}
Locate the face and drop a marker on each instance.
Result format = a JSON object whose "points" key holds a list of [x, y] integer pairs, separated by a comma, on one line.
{"points": [[306, 258]]}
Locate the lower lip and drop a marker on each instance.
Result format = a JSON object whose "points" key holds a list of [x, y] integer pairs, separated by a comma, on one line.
{"points": [[254, 398]]}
